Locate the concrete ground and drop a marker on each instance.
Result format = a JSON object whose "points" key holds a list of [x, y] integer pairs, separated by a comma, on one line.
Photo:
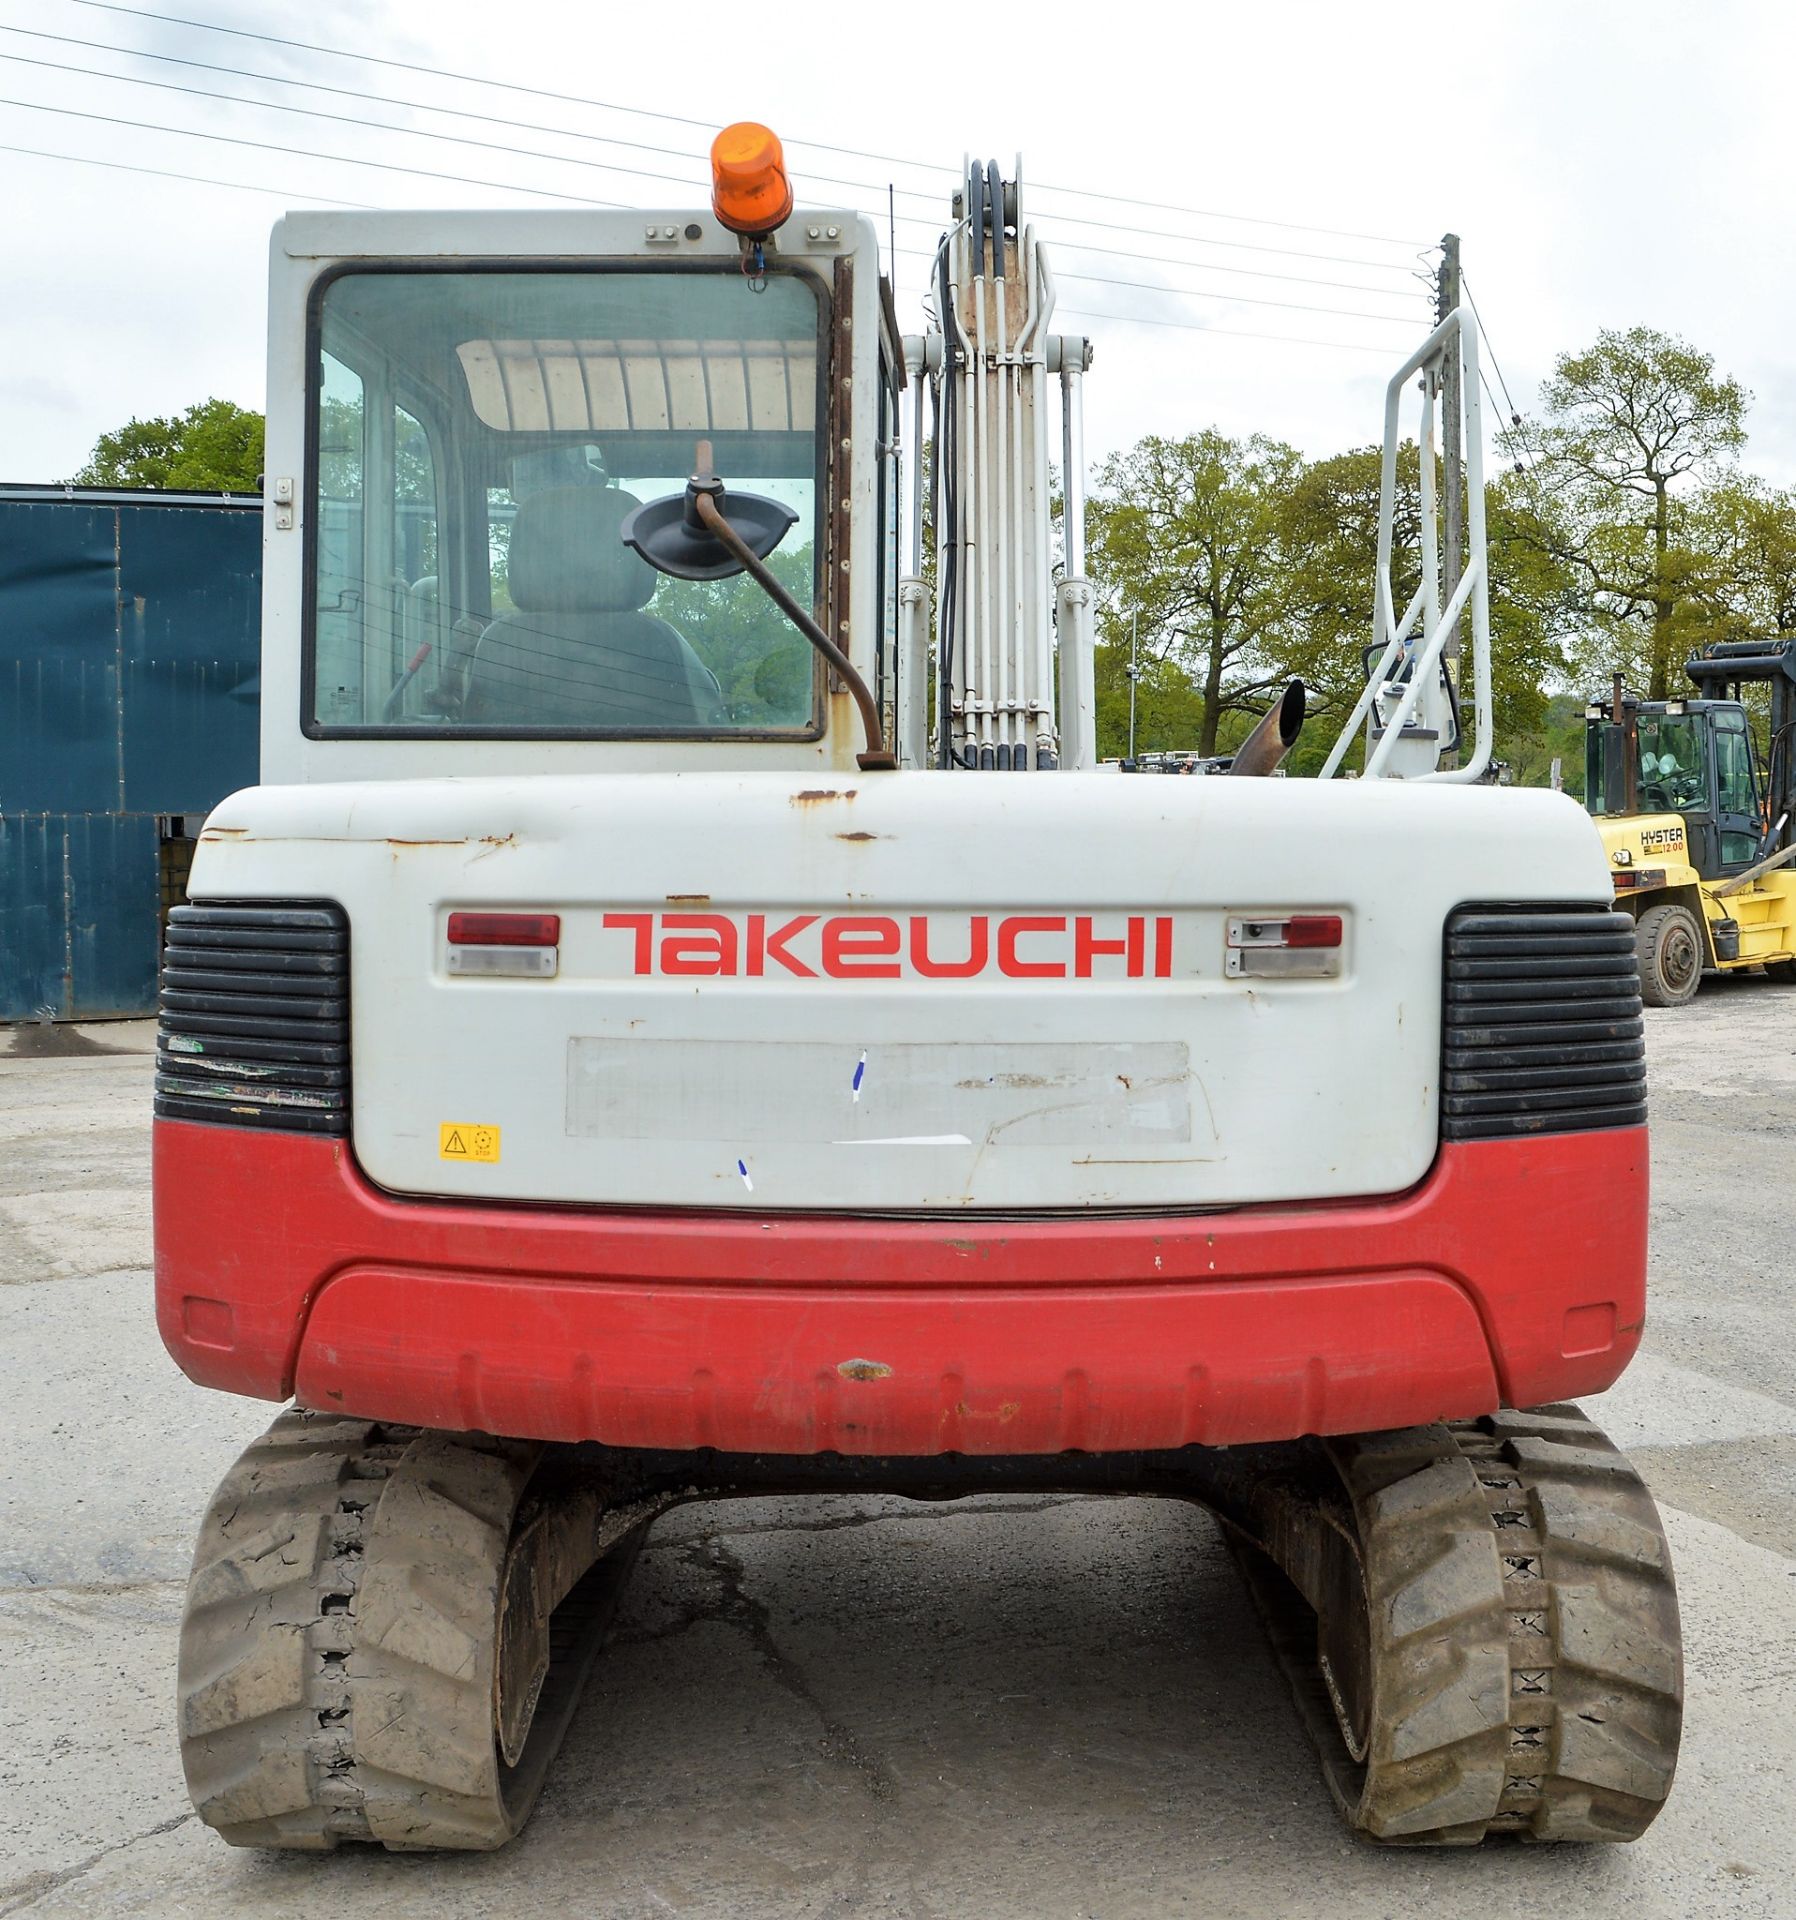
{"points": [[1010, 1707]]}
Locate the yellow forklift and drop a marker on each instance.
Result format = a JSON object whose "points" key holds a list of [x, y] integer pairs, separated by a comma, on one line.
{"points": [[1697, 823]]}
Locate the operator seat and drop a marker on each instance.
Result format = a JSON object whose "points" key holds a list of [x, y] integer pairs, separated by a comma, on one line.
{"points": [[578, 652]]}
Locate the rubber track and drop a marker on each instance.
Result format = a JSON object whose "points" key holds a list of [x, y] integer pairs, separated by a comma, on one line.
{"points": [[337, 1649], [1526, 1669], [1598, 1697]]}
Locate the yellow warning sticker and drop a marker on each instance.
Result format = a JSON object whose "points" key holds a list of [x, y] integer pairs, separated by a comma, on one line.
{"points": [[464, 1140]]}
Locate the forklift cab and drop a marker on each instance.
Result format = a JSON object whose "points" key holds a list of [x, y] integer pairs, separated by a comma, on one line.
{"points": [[1689, 758]]}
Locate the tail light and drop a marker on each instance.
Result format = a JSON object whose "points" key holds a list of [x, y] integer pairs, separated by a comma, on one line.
{"points": [[523, 946], [1289, 946]]}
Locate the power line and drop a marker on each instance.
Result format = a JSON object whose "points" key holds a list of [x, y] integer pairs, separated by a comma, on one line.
{"points": [[1225, 294], [1222, 266], [1484, 333], [1057, 215], [1172, 260], [1237, 299], [1114, 319], [1121, 319], [1209, 266], [341, 119], [1531, 470], [1484, 382], [1515, 412], [207, 93], [574, 133], [1287, 253], [392, 100], [1239, 219], [1516, 421], [1231, 333], [820, 146], [1524, 435], [198, 179], [309, 153]]}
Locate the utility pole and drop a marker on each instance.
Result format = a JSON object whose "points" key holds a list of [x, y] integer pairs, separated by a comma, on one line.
{"points": [[1134, 675], [1446, 299]]}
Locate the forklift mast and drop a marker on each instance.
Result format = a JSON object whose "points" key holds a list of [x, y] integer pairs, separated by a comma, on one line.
{"points": [[1721, 671]]}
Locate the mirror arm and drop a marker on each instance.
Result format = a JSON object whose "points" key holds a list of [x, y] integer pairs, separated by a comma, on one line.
{"points": [[878, 756]]}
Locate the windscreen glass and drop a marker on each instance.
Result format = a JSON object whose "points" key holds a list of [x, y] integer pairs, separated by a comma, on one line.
{"points": [[482, 440], [1670, 774]]}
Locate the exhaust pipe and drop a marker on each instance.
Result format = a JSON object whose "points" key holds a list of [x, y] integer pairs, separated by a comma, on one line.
{"points": [[1274, 737]]}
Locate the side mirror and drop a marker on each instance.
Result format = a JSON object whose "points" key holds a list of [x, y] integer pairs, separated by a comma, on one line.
{"points": [[672, 537], [690, 536]]}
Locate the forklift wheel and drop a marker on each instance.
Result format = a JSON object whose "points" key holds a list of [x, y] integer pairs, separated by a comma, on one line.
{"points": [[1670, 946]]}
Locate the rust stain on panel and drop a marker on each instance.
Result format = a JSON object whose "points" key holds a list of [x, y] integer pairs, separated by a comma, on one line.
{"points": [[1003, 1413], [864, 1370]]}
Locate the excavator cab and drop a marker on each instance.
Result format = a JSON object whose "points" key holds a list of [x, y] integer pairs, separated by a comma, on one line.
{"points": [[483, 437]]}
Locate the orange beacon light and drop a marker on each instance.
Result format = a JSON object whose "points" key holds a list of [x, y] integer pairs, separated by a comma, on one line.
{"points": [[750, 193]]}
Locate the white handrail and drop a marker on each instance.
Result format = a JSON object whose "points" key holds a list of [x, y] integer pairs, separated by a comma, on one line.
{"points": [[1457, 331], [1399, 631], [1422, 664]]}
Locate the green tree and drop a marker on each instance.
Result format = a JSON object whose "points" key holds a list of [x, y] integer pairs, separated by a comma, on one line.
{"points": [[1533, 608], [762, 662], [1331, 529], [1747, 532], [1559, 736], [1630, 426], [1185, 537], [214, 447], [1169, 710], [1332, 534]]}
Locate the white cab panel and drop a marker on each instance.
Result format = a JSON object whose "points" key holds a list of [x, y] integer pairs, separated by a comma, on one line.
{"points": [[308, 247], [746, 1014]]}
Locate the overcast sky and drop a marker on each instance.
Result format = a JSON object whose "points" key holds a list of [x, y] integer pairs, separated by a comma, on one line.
{"points": [[1608, 164]]}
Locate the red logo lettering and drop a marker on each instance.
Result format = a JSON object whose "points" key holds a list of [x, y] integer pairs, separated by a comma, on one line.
{"points": [[875, 946], [764, 946], [698, 943], [978, 947], [1011, 930], [854, 947], [1087, 947], [638, 924]]}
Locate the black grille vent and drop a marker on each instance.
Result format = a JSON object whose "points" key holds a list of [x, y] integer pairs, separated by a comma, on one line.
{"points": [[255, 1015], [1541, 1023]]}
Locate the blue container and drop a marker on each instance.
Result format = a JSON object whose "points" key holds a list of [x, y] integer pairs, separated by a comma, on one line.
{"points": [[130, 632]]}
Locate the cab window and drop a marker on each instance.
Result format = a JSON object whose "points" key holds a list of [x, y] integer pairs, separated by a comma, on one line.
{"points": [[1737, 795], [1669, 773], [1672, 776], [481, 440]]}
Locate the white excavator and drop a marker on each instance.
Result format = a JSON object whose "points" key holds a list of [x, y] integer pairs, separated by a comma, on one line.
{"points": [[684, 1016]]}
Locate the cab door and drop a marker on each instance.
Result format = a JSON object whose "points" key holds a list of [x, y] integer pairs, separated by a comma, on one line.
{"points": [[1739, 813]]}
